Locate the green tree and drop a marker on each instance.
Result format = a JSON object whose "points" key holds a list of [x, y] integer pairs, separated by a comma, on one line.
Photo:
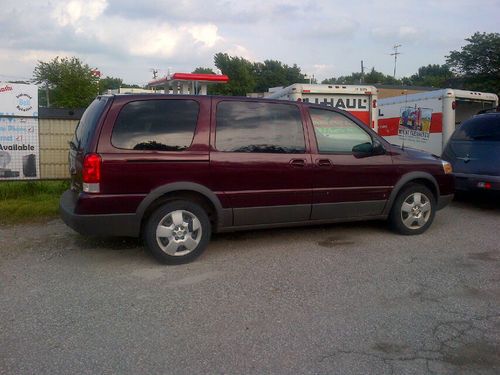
{"points": [[71, 83], [295, 75], [434, 75], [246, 76], [202, 70], [109, 83], [330, 81], [376, 77], [372, 77], [113, 83], [270, 73], [240, 73], [477, 64], [273, 73]]}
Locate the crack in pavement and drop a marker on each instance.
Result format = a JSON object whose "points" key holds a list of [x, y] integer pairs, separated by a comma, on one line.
{"points": [[470, 346]]}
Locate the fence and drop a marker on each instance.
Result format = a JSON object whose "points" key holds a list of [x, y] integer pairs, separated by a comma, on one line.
{"points": [[56, 128]]}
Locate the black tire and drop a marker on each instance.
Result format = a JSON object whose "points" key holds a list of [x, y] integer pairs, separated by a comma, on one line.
{"points": [[413, 217], [181, 243]]}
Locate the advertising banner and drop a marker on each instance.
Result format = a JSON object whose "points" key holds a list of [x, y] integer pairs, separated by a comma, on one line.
{"points": [[18, 100], [19, 140], [415, 123]]}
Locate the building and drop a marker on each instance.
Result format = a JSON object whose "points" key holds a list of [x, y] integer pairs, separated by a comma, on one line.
{"points": [[187, 83]]}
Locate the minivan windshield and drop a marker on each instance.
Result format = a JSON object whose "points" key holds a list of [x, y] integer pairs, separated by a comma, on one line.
{"points": [[88, 123], [481, 128]]}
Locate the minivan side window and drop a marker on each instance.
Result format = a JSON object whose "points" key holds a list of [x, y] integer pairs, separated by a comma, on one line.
{"points": [[259, 127], [156, 125], [335, 133]]}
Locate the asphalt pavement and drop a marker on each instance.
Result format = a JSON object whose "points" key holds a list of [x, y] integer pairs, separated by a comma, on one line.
{"points": [[335, 299]]}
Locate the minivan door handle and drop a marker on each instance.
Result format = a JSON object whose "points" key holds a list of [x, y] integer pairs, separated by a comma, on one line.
{"points": [[323, 163], [300, 163]]}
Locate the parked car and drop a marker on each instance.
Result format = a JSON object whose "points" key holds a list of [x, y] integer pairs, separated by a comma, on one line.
{"points": [[474, 152], [174, 169]]}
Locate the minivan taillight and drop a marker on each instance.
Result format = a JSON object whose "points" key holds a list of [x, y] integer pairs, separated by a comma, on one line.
{"points": [[91, 173]]}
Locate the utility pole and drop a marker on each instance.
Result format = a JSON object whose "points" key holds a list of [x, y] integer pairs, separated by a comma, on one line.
{"points": [[362, 78], [395, 54]]}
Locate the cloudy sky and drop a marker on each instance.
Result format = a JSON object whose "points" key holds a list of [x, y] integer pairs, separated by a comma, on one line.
{"points": [[126, 38]]}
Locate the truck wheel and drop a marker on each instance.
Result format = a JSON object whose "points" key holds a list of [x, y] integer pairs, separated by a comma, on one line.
{"points": [[177, 232], [413, 210]]}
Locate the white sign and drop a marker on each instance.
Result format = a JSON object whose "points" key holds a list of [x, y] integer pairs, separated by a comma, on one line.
{"points": [[18, 99], [19, 142]]}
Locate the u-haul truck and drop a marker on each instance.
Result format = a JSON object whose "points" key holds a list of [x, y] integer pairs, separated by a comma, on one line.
{"points": [[359, 100], [427, 120]]}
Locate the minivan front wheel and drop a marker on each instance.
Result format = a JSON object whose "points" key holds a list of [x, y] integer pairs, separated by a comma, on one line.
{"points": [[177, 232], [413, 210]]}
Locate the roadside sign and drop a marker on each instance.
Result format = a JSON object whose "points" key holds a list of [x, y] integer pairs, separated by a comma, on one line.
{"points": [[19, 138]]}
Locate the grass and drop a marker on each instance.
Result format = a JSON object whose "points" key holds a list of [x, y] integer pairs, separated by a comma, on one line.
{"points": [[28, 201]]}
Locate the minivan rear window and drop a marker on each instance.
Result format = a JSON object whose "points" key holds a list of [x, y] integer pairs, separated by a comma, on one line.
{"points": [[156, 125], [481, 128], [88, 123]]}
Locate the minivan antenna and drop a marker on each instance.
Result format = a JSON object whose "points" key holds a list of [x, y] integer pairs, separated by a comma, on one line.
{"points": [[406, 106]]}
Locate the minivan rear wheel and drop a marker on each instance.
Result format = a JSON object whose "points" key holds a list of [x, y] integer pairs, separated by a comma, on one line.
{"points": [[413, 210], [177, 232]]}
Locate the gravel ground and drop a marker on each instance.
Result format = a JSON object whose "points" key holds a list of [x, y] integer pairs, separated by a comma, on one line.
{"points": [[338, 299]]}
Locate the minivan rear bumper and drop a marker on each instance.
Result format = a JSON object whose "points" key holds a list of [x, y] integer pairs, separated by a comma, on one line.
{"points": [[469, 181], [126, 225]]}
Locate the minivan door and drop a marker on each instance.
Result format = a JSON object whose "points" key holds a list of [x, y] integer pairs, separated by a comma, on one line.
{"points": [[347, 184], [259, 161]]}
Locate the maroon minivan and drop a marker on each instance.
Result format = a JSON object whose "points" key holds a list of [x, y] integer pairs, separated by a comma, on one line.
{"points": [[172, 169]]}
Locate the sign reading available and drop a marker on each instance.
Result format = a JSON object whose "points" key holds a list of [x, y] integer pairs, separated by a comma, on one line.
{"points": [[19, 142]]}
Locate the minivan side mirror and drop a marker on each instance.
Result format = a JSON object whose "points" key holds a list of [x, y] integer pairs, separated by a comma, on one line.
{"points": [[366, 149], [378, 149]]}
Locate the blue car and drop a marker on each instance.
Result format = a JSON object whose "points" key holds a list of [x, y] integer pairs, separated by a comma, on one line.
{"points": [[474, 153]]}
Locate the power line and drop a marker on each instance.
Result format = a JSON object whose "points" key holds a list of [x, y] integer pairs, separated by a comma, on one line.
{"points": [[15, 77]]}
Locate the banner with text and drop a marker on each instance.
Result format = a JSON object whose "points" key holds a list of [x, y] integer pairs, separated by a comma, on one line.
{"points": [[19, 141]]}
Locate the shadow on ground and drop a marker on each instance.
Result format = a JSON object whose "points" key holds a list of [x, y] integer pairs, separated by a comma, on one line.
{"points": [[479, 200]]}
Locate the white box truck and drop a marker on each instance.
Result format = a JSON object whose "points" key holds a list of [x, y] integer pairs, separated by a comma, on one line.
{"points": [[359, 100], [427, 120]]}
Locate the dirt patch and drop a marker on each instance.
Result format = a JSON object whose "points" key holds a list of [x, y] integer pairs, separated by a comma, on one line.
{"points": [[486, 256], [331, 242], [109, 243]]}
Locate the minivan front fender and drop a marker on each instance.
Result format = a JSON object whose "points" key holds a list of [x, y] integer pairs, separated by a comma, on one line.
{"points": [[407, 178]]}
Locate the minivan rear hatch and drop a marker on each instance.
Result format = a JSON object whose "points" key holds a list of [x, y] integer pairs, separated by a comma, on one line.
{"points": [[81, 143], [475, 146]]}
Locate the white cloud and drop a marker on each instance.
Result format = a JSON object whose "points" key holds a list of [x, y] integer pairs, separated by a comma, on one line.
{"points": [[401, 33], [151, 38], [154, 41], [126, 38], [206, 34], [72, 12], [240, 51], [409, 32]]}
